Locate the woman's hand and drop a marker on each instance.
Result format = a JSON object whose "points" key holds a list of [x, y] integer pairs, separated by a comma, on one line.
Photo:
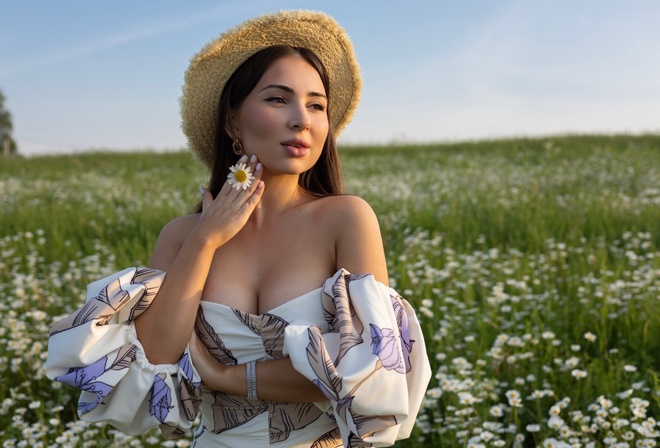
{"points": [[224, 216]]}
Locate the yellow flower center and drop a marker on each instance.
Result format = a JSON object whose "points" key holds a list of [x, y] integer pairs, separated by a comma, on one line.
{"points": [[240, 176]]}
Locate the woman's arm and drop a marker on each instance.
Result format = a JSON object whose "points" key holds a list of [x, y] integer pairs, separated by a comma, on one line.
{"points": [[185, 251], [359, 249], [359, 245], [277, 380]]}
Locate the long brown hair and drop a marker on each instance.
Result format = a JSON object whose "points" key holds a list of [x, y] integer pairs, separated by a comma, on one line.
{"points": [[324, 178]]}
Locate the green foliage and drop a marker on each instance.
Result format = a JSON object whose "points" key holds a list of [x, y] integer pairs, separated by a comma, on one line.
{"points": [[534, 265], [6, 128]]}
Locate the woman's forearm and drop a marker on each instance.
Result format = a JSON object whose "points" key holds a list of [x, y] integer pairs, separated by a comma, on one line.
{"points": [[164, 328], [277, 380]]}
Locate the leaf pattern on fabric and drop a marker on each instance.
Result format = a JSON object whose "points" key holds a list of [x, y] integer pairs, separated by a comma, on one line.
{"points": [[331, 439], [361, 425], [341, 316], [210, 339], [171, 432], [125, 356], [287, 417], [369, 425], [269, 327], [143, 275], [404, 329], [272, 335], [160, 399], [189, 390], [111, 298], [387, 347], [94, 309], [326, 374], [191, 398], [186, 368], [230, 411], [84, 378], [342, 409], [354, 441], [345, 306]]}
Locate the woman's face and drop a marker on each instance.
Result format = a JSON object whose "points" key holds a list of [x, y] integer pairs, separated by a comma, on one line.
{"points": [[284, 120]]}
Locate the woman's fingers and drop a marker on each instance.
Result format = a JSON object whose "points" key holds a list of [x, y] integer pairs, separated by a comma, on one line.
{"points": [[226, 214], [254, 199], [207, 197]]}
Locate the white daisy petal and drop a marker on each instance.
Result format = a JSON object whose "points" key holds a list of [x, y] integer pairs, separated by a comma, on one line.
{"points": [[240, 176]]}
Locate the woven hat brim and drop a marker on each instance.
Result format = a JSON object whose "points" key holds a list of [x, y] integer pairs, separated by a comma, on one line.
{"points": [[211, 67]]}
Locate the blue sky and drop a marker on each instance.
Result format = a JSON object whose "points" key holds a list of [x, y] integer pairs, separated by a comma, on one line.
{"points": [[84, 75]]}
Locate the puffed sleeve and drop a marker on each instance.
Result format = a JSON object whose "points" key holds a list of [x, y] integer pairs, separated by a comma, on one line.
{"points": [[96, 350], [371, 364]]}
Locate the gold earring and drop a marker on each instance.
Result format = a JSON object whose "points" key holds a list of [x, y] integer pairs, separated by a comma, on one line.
{"points": [[237, 147]]}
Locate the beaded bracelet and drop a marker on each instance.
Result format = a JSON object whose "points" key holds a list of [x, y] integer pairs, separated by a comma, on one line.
{"points": [[252, 380]]}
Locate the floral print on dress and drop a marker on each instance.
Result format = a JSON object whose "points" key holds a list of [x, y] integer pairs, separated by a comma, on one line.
{"points": [[208, 336], [160, 400], [95, 349], [353, 337], [86, 378], [387, 367]]}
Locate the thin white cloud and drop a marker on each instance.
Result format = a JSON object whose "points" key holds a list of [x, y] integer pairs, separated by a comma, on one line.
{"points": [[143, 31]]}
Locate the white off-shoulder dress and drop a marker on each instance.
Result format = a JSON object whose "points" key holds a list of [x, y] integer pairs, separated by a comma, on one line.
{"points": [[356, 339]]}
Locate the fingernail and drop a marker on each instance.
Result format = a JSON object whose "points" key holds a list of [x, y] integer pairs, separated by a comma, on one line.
{"points": [[253, 158], [261, 184], [201, 191], [259, 166]]}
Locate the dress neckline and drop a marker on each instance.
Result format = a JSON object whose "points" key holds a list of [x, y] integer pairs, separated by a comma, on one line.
{"points": [[271, 311]]}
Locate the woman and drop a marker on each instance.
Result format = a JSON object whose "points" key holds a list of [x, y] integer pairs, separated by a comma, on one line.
{"points": [[258, 322]]}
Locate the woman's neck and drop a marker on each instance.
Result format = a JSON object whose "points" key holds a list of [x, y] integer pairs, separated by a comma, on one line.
{"points": [[281, 192]]}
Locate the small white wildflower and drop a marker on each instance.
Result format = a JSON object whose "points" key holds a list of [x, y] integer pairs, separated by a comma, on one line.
{"points": [[629, 368], [589, 336], [579, 374], [555, 422], [625, 394], [496, 411], [572, 362], [486, 436], [533, 428], [551, 443], [628, 435], [240, 176]]}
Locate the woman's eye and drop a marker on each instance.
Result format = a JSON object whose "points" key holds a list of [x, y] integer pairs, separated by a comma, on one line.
{"points": [[319, 107], [276, 99]]}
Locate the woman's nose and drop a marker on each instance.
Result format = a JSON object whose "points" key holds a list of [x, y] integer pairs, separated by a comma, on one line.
{"points": [[300, 118]]}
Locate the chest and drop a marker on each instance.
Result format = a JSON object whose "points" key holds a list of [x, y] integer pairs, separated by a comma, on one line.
{"points": [[261, 269]]}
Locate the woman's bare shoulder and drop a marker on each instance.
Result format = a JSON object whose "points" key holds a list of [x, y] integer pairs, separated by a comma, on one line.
{"points": [[171, 239], [181, 226], [346, 209], [356, 233]]}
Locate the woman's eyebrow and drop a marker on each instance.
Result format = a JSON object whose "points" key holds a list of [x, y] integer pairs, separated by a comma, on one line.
{"points": [[290, 90]]}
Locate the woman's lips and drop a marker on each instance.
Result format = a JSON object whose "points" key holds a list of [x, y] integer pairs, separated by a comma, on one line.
{"points": [[296, 147]]}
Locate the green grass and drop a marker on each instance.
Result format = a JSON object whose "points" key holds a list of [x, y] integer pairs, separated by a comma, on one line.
{"points": [[511, 250]]}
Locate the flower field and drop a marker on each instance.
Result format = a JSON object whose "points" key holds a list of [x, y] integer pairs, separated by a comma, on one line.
{"points": [[534, 265]]}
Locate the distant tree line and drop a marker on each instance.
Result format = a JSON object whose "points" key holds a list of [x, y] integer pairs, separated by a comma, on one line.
{"points": [[7, 143]]}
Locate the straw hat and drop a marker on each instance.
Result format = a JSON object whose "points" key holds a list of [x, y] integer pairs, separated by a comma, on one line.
{"points": [[210, 69]]}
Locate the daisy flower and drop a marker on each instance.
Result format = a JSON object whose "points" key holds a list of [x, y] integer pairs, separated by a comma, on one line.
{"points": [[240, 176]]}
